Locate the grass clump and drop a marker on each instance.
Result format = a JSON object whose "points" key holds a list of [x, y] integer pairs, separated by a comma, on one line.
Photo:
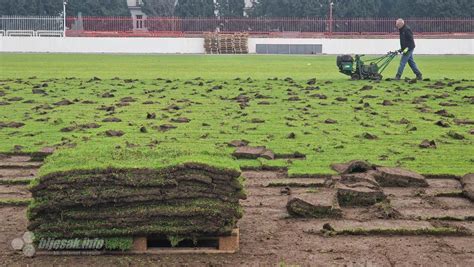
{"points": [[118, 243], [175, 240]]}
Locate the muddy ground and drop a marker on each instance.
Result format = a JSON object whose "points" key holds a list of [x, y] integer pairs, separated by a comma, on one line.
{"points": [[270, 237]]}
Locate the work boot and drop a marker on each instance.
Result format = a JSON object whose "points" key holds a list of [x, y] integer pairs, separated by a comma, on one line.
{"points": [[419, 77]]}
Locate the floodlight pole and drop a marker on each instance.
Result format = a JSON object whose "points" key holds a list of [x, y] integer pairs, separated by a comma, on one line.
{"points": [[331, 4], [64, 18]]}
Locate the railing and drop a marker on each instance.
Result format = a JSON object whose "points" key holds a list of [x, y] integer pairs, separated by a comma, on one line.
{"points": [[156, 26], [31, 26], [418, 25]]}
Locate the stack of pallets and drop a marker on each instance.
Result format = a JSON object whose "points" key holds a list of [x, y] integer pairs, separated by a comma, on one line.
{"points": [[241, 43], [226, 43], [211, 43], [217, 43]]}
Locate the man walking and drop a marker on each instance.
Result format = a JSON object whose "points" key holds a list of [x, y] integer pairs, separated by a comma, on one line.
{"points": [[407, 44]]}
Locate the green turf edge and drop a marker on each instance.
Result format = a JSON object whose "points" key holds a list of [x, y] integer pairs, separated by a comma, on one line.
{"points": [[15, 202], [91, 157], [436, 231], [15, 181]]}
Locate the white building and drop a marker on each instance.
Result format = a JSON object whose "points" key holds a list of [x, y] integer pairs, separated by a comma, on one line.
{"points": [[135, 7], [134, 2]]}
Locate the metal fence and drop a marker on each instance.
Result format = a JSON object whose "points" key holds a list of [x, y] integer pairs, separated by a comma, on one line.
{"points": [[154, 26], [158, 26], [31, 26], [418, 25]]}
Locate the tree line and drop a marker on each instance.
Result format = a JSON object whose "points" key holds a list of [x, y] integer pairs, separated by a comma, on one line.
{"points": [[236, 8], [55, 7], [364, 8]]}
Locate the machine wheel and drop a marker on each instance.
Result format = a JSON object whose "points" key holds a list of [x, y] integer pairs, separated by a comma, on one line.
{"points": [[355, 76], [378, 77]]}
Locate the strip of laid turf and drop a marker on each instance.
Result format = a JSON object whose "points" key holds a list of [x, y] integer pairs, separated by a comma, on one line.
{"points": [[132, 215], [96, 156], [15, 202], [25, 181], [154, 177], [178, 208], [435, 231], [210, 67], [170, 228], [85, 196], [286, 115]]}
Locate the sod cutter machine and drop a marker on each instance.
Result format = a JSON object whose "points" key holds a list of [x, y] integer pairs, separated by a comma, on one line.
{"points": [[363, 71]]}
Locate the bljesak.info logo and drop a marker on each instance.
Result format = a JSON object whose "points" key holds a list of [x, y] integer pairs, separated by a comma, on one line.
{"points": [[27, 246]]}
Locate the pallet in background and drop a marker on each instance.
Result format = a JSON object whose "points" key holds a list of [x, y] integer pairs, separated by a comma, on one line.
{"points": [[220, 43]]}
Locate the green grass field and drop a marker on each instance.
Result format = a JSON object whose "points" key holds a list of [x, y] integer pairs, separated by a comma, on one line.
{"points": [[208, 67], [286, 116]]}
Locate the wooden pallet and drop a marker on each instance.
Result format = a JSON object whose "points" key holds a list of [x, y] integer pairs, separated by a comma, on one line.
{"points": [[211, 43], [225, 244]]}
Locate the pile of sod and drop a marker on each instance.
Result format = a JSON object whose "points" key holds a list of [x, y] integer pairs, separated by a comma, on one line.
{"points": [[113, 192]]}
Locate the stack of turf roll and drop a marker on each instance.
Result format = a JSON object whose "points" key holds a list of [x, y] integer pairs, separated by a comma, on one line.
{"points": [[121, 193]]}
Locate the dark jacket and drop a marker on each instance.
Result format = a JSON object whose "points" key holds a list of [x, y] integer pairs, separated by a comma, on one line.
{"points": [[406, 38]]}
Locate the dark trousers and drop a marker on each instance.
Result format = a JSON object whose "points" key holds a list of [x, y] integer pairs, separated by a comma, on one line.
{"points": [[408, 58]]}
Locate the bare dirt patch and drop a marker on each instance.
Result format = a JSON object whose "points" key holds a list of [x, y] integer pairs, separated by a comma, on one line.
{"points": [[17, 173], [13, 224], [13, 159], [19, 165], [270, 237], [14, 192]]}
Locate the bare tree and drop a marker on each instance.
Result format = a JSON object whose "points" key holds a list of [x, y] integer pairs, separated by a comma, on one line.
{"points": [[162, 8]]}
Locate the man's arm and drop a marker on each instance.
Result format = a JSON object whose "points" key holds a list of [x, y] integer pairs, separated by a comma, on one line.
{"points": [[407, 39]]}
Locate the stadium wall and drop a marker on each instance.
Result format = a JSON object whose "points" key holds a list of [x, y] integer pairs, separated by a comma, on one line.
{"points": [[196, 45], [375, 46], [102, 45]]}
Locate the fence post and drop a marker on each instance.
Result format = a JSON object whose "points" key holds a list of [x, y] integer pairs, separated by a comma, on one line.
{"points": [[331, 4], [64, 18]]}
